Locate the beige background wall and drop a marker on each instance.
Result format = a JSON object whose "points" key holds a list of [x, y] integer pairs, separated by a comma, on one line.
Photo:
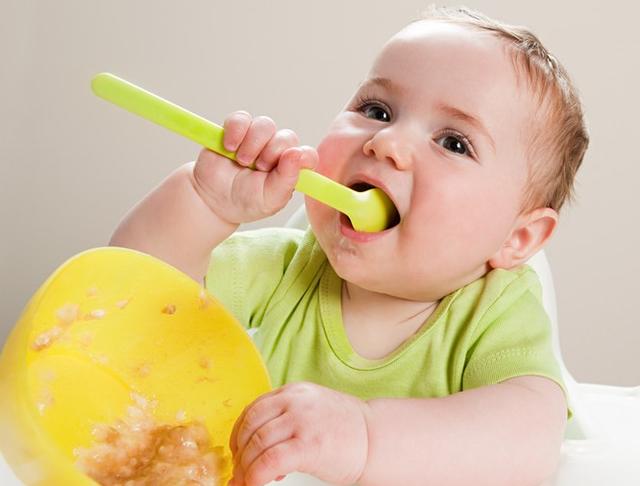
{"points": [[71, 165]]}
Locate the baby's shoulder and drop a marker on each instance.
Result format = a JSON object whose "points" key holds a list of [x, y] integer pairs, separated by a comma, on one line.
{"points": [[268, 248], [500, 283], [499, 292]]}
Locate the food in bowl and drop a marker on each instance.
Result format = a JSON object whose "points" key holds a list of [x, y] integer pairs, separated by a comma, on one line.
{"points": [[138, 451]]}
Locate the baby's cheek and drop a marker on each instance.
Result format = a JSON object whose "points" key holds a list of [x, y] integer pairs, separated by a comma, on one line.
{"points": [[317, 213], [338, 149], [328, 157]]}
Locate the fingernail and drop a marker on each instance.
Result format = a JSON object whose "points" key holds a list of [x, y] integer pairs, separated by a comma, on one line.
{"points": [[231, 147], [261, 164]]}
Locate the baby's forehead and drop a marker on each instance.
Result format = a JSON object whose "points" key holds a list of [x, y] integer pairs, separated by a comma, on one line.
{"points": [[457, 54], [440, 34], [432, 26]]}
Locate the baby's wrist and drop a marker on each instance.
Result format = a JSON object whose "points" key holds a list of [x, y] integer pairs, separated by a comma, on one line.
{"points": [[367, 416], [379, 455], [205, 198]]}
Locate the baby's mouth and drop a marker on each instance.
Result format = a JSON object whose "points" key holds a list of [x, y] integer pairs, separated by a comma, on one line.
{"points": [[362, 186]]}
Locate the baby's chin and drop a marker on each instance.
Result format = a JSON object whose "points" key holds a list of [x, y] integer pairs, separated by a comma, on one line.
{"points": [[391, 290], [347, 263], [389, 280]]}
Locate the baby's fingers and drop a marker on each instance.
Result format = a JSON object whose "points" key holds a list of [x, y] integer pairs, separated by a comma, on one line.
{"points": [[266, 436], [281, 181], [260, 132], [281, 141], [273, 463], [235, 127], [240, 423]]}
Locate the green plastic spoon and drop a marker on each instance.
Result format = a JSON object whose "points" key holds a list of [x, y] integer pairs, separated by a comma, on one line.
{"points": [[369, 211]]}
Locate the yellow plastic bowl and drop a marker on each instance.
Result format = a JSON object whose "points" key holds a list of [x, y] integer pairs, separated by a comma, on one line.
{"points": [[142, 327]]}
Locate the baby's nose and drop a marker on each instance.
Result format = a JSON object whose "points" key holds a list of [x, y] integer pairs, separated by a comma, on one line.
{"points": [[389, 148]]}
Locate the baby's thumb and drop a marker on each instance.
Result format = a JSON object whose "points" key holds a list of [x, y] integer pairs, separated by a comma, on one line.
{"points": [[282, 180]]}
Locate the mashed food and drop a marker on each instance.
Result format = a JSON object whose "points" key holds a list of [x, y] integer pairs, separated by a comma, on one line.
{"points": [[137, 451]]}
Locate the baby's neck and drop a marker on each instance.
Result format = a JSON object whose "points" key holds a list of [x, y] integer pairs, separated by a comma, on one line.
{"points": [[376, 324]]}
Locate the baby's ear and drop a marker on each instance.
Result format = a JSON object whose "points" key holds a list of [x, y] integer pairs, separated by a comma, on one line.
{"points": [[530, 232]]}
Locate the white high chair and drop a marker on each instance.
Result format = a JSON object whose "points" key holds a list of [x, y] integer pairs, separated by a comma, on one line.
{"points": [[602, 441]]}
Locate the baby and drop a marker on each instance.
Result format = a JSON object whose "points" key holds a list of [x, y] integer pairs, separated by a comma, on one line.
{"points": [[419, 355]]}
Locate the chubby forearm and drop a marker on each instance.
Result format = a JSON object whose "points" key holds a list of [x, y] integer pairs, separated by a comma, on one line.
{"points": [[173, 223], [507, 434]]}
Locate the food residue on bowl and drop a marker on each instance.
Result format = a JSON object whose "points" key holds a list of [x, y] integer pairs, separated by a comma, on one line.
{"points": [[169, 309], [205, 299], [204, 362], [45, 338], [121, 304], [68, 313]]}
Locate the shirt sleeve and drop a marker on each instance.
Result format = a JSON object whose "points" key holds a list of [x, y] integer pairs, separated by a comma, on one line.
{"points": [[245, 270], [513, 337]]}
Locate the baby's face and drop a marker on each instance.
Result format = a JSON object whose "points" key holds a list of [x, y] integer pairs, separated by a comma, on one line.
{"points": [[440, 125]]}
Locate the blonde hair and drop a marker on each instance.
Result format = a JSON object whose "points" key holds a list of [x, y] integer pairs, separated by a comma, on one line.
{"points": [[559, 138]]}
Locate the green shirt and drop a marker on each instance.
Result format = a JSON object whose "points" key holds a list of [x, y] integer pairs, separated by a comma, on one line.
{"points": [[279, 282]]}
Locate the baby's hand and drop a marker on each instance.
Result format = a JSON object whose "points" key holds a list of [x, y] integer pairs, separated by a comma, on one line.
{"points": [[233, 191], [300, 427]]}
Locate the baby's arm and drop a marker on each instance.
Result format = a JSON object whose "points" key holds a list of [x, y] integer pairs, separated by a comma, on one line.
{"points": [[500, 435], [505, 434], [202, 203]]}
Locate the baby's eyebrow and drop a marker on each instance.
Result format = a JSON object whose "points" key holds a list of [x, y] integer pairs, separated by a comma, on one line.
{"points": [[385, 83], [468, 118]]}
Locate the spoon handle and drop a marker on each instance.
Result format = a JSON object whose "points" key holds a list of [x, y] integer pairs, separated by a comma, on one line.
{"points": [[169, 115], [158, 110], [326, 190]]}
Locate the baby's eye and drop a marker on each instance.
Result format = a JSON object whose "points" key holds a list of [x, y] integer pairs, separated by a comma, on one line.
{"points": [[454, 143], [375, 111]]}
